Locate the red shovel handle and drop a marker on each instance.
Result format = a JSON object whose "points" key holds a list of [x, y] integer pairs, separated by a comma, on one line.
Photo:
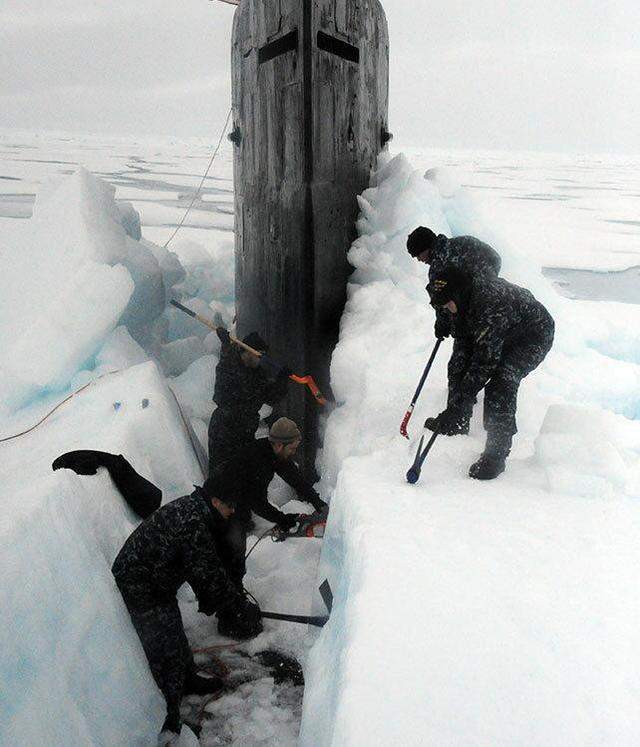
{"points": [[405, 422]]}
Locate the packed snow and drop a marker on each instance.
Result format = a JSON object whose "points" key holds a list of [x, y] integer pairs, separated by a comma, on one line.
{"points": [[97, 357], [464, 613], [467, 612]]}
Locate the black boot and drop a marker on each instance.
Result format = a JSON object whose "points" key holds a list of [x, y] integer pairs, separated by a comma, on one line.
{"points": [[196, 684], [493, 460], [171, 728]]}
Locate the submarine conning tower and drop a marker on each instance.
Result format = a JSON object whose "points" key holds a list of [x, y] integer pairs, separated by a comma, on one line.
{"points": [[310, 107]]}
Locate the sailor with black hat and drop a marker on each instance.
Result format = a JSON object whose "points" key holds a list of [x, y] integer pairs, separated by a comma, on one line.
{"points": [[464, 253]]}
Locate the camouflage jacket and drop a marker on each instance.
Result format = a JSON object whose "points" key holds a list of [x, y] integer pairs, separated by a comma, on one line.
{"points": [[496, 314], [176, 545], [241, 390], [465, 253]]}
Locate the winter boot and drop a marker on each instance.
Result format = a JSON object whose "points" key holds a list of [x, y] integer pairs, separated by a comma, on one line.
{"points": [[196, 684], [493, 460]]}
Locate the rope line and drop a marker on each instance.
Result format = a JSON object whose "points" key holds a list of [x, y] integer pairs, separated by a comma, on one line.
{"points": [[50, 413], [206, 173]]}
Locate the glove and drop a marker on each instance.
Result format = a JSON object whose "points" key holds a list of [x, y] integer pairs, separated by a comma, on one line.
{"points": [[86, 461], [241, 620], [223, 335], [451, 422], [287, 522], [442, 327]]}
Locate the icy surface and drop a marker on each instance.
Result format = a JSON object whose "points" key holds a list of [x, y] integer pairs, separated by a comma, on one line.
{"points": [[71, 664], [72, 669], [464, 612]]}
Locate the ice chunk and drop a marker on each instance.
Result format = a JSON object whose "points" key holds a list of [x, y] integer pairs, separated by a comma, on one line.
{"points": [[120, 351], [130, 220], [579, 450], [70, 275], [70, 661]]}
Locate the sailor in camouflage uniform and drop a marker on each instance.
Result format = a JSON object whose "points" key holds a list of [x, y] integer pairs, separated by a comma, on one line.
{"points": [[464, 253], [502, 333], [245, 481], [178, 544], [242, 387]]}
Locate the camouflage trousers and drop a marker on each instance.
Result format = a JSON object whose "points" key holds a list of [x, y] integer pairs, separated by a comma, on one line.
{"points": [[165, 645], [501, 391]]}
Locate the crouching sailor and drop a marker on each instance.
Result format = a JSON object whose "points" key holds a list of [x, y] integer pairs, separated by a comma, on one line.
{"points": [[177, 544], [502, 333], [245, 480]]}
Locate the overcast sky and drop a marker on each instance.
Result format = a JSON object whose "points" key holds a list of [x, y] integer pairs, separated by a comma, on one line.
{"points": [[507, 74]]}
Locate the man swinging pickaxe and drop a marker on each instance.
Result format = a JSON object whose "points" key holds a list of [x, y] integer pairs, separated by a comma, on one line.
{"points": [[264, 360]]}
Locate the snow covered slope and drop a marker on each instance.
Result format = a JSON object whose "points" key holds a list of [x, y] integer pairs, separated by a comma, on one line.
{"points": [[466, 612], [73, 671], [84, 309]]}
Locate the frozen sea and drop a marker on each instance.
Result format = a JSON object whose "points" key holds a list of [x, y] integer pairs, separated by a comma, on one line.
{"points": [[577, 216]]}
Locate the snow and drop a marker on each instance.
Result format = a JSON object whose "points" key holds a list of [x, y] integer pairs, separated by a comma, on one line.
{"points": [[104, 368], [466, 612], [68, 647]]}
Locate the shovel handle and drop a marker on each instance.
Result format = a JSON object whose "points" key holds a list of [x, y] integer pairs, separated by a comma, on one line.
{"points": [[405, 422]]}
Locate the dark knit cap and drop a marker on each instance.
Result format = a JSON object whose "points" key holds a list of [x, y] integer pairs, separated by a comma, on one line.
{"points": [[419, 240], [284, 431], [450, 285], [256, 342], [212, 489]]}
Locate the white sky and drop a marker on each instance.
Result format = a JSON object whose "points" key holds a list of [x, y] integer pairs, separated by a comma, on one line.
{"points": [[505, 74]]}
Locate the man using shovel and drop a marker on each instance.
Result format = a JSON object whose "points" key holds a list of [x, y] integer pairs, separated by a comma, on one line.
{"points": [[179, 544], [502, 333], [242, 386], [464, 253]]}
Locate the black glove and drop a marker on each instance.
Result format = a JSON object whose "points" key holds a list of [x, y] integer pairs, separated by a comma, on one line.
{"points": [[142, 495], [287, 522], [84, 461], [450, 422], [223, 335], [442, 326], [242, 619]]}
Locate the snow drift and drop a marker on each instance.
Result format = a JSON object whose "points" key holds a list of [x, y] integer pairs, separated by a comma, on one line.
{"points": [[69, 657], [469, 613]]}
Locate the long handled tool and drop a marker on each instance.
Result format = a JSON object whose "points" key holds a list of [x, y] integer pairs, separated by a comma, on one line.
{"points": [[413, 475], [318, 620], [423, 378], [265, 360]]}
